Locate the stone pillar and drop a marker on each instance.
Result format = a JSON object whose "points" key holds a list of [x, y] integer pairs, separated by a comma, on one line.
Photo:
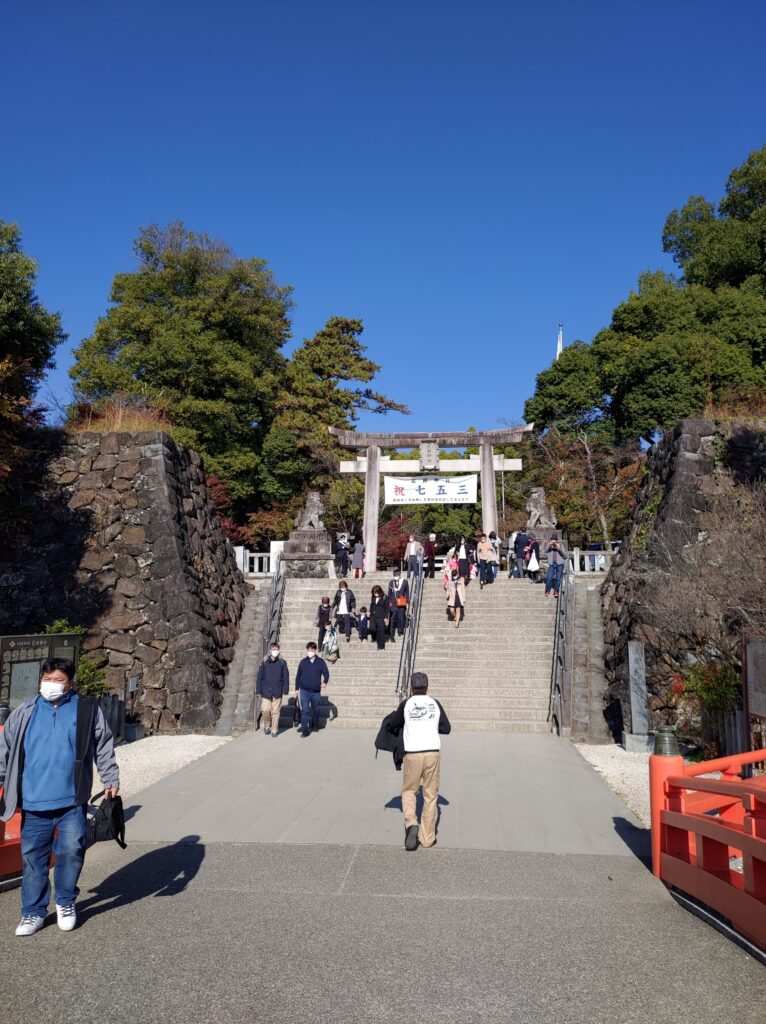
{"points": [[371, 507], [637, 739], [488, 492]]}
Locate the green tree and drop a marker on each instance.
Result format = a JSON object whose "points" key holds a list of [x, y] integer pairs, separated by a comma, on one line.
{"points": [[726, 245], [325, 383], [197, 331], [570, 390], [29, 334]]}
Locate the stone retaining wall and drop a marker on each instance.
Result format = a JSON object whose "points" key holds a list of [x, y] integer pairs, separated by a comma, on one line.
{"points": [[685, 470], [124, 539]]}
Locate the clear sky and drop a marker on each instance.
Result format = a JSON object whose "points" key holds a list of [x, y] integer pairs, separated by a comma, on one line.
{"points": [[459, 176]]}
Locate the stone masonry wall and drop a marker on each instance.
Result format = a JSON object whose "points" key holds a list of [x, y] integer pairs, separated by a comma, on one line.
{"points": [[688, 467], [122, 538]]}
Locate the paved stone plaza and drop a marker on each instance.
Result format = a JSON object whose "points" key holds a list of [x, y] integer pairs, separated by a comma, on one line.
{"points": [[267, 882]]}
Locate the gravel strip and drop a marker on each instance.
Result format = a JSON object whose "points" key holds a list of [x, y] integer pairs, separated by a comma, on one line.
{"points": [[627, 774], [148, 760]]}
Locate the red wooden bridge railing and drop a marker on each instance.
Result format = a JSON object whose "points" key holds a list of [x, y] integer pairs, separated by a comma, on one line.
{"points": [[702, 827]]}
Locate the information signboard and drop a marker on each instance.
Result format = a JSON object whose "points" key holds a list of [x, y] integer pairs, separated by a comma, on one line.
{"points": [[21, 658]]}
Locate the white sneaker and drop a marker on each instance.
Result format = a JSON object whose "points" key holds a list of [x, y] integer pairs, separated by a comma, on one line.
{"points": [[267, 730], [66, 917], [29, 924]]}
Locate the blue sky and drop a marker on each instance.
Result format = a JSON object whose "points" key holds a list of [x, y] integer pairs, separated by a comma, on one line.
{"points": [[461, 177]]}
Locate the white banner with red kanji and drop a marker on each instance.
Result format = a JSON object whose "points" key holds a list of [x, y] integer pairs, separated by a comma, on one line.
{"points": [[430, 490]]}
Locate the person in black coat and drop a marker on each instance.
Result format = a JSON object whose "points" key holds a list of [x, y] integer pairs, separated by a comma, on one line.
{"points": [[341, 555], [379, 613], [323, 619], [519, 546], [465, 552], [272, 684], [398, 590], [344, 605]]}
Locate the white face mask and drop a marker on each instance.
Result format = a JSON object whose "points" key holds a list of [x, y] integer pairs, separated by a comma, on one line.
{"points": [[311, 654], [275, 654], [52, 691]]}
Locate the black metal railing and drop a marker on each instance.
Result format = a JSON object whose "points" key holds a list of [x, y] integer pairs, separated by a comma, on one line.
{"points": [[271, 626], [557, 710], [410, 638]]}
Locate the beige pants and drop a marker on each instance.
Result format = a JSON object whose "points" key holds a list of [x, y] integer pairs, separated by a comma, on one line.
{"points": [[270, 708], [417, 767]]}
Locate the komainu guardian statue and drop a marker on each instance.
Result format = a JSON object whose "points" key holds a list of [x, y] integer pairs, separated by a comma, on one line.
{"points": [[310, 518], [540, 512]]}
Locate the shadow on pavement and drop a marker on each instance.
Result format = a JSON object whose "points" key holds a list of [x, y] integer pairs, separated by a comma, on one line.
{"points": [[162, 872], [395, 803], [637, 839]]}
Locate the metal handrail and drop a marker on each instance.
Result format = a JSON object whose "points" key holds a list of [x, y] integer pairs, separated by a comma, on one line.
{"points": [[558, 668], [271, 626], [410, 638]]}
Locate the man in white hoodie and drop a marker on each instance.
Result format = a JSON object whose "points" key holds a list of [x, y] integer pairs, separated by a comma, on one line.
{"points": [[424, 722]]}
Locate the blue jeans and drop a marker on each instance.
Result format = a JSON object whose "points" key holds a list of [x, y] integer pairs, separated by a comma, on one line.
{"points": [[553, 579], [37, 828], [310, 701], [486, 575]]}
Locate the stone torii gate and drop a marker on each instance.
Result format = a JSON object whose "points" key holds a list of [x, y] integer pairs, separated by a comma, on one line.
{"points": [[486, 462]]}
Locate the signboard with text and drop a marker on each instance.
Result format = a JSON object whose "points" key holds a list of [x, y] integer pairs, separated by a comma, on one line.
{"points": [[430, 490]]}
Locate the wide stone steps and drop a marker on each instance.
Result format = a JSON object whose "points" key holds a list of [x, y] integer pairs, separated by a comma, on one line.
{"points": [[492, 673]]}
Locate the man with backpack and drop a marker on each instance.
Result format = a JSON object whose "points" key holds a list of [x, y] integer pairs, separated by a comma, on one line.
{"points": [[47, 750], [423, 722], [272, 684]]}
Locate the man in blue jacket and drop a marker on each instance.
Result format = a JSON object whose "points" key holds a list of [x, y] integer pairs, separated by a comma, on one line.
{"points": [[272, 684], [47, 751], [310, 679]]}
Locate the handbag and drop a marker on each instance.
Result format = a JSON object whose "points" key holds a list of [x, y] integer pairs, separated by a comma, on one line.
{"points": [[401, 601], [107, 821], [533, 565]]}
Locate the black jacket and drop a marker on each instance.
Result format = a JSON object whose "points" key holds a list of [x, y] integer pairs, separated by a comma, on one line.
{"points": [[350, 600], [324, 615], [393, 593], [273, 679], [391, 741], [379, 608], [519, 544]]}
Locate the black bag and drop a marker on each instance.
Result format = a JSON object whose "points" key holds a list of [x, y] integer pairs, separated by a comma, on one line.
{"points": [[296, 713], [107, 821]]}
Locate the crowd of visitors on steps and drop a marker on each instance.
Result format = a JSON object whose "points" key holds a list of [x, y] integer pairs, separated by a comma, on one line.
{"points": [[384, 618]]}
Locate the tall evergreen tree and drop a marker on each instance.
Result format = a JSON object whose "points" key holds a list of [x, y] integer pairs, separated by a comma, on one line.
{"points": [[29, 334], [197, 331]]}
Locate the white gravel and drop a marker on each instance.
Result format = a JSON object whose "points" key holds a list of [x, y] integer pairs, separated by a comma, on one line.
{"points": [[148, 760], [627, 774]]}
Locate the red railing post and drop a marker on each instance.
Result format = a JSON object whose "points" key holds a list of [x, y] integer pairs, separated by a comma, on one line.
{"points": [[663, 763]]}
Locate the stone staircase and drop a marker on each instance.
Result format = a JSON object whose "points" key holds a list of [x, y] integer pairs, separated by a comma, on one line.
{"points": [[362, 686], [493, 673], [237, 708]]}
